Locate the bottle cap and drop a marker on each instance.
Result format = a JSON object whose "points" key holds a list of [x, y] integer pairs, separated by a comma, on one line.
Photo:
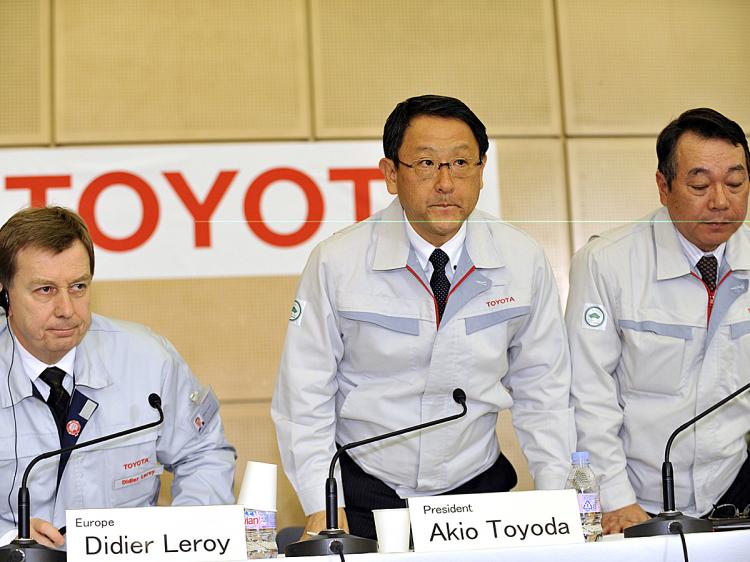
{"points": [[258, 489], [580, 457]]}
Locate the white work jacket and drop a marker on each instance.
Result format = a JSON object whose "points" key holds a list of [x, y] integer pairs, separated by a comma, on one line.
{"points": [[364, 356], [651, 348], [117, 366]]}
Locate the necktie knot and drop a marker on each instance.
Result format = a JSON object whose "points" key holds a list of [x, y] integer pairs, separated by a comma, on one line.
{"points": [[53, 376], [708, 268], [439, 259]]}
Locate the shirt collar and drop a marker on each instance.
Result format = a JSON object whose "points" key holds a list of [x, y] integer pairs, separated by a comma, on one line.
{"points": [[423, 249], [33, 367], [694, 253]]}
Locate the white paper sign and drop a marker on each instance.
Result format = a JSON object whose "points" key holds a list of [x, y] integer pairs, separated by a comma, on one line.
{"points": [[208, 210], [191, 533], [497, 520]]}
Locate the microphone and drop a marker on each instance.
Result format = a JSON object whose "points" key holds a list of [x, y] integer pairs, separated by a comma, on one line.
{"points": [[333, 540], [26, 549], [671, 521]]}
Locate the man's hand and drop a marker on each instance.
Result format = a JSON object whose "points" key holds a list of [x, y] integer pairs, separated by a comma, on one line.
{"points": [[618, 520], [317, 522], [45, 533]]}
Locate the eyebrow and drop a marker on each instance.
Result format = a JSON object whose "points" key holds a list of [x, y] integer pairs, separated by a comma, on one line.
{"points": [[457, 147], [41, 281], [701, 170]]}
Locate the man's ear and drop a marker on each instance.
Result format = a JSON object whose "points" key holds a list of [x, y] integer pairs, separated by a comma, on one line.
{"points": [[388, 169], [664, 188]]}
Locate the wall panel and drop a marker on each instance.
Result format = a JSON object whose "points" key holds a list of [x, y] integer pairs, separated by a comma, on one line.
{"points": [[230, 331], [630, 67], [24, 72], [533, 197], [496, 55], [611, 183], [151, 70]]}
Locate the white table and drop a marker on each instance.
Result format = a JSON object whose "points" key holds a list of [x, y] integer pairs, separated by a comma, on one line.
{"points": [[727, 546]]}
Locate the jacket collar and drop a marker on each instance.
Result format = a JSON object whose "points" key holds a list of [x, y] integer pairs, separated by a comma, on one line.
{"points": [[671, 261], [392, 243], [90, 369], [737, 253], [20, 384]]}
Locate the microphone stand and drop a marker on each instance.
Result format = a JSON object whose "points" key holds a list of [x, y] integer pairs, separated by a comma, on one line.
{"points": [[670, 520], [333, 540], [26, 549]]}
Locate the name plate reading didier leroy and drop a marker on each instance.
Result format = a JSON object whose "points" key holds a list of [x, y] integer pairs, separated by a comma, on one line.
{"points": [[189, 534], [496, 520]]}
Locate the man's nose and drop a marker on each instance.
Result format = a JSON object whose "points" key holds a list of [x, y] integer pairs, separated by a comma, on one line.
{"points": [[718, 198], [444, 180], [63, 304]]}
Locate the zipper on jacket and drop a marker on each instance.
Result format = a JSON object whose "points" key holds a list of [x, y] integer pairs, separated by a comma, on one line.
{"points": [[429, 291], [711, 294]]}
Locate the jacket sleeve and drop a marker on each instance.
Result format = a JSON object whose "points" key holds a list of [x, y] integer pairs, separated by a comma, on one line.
{"points": [[7, 533], [202, 462], [595, 352], [539, 381], [303, 405]]}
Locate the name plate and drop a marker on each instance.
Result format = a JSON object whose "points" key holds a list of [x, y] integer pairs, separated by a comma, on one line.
{"points": [[191, 533], [496, 520]]}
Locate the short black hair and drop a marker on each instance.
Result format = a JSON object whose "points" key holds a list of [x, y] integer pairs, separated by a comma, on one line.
{"points": [[704, 122], [432, 105]]}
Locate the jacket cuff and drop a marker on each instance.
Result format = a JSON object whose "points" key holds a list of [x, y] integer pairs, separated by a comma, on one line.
{"points": [[550, 479], [617, 493], [313, 498], [8, 536]]}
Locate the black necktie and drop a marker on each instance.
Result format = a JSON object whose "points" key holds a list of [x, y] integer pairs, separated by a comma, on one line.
{"points": [[59, 398], [439, 281], [707, 266]]}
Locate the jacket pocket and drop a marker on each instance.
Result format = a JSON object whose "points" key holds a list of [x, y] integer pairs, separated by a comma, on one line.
{"points": [[653, 355], [131, 470], [736, 374], [739, 329], [394, 323], [477, 323], [380, 335]]}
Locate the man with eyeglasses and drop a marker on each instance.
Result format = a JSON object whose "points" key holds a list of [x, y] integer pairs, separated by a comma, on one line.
{"points": [[395, 312]]}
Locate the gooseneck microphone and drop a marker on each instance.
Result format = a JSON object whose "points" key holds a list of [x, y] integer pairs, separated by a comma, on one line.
{"points": [[670, 520], [333, 540], [26, 549]]}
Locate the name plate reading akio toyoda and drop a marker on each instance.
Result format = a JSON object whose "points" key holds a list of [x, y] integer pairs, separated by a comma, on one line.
{"points": [[496, 520], [191, 533]]}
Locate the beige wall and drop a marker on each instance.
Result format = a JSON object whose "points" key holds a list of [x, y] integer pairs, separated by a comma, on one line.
{"points": [[573, 91]]}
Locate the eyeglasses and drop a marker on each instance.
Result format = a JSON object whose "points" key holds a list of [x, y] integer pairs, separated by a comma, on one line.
{"points": [[426, 168], [728, 511]]}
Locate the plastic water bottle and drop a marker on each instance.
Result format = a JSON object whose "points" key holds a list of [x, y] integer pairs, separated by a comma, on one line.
{"points": [[581, 479], [260, 534], [258, 496]]}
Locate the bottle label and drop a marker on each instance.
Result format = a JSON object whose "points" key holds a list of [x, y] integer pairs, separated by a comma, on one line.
{"points": [[255, 519], [589, 503]]}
